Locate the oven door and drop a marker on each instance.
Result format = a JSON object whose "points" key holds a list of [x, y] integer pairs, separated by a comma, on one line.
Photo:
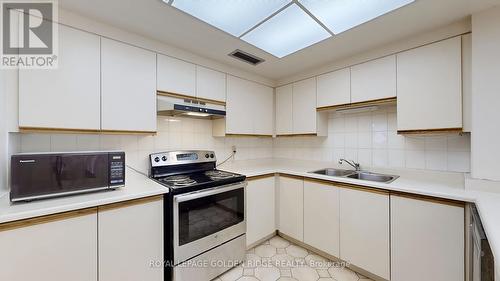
{"points": [[206, 219]]}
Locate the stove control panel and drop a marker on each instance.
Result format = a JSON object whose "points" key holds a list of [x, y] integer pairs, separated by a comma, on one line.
{"points": [[181, 157]]}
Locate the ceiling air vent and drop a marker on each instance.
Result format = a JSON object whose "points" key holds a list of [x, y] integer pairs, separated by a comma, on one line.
{"points": [[246, 57]]}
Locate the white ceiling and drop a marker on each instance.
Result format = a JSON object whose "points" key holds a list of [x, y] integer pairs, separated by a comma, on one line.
{"points": [[154, 19]]}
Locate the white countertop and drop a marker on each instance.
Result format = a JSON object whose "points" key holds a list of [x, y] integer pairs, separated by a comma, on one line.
{"points": [[136, 186], [438, 184]]}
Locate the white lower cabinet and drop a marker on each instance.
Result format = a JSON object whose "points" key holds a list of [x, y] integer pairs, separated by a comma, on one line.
{"points": [[321, 216], [130, 239], [364, 230], [291, 207], [427, 240], [57, 248], [260, 212]]}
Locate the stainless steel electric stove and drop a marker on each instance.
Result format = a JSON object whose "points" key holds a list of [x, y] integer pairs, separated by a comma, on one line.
{"points": [[205, 222]]}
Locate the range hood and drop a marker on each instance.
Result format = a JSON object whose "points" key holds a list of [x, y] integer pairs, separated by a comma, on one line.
{"points": [[175, 105]]}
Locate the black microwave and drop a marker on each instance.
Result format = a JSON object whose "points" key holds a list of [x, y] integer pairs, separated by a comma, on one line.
{"points": [[46, 175]]}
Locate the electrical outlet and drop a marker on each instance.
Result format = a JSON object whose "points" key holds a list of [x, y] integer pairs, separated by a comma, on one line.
{"points": [[233, 148]]}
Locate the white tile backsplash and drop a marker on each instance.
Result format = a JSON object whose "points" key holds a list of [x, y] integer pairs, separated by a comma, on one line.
{"points": [[173, 134], [371, 139]]}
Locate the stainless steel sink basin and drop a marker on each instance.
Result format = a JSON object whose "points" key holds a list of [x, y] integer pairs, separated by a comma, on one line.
{"points": [[373, 177], [366, 176], [334, 172]]}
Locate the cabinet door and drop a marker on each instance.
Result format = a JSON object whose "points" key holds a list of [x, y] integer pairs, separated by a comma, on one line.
{"points": [[128, 87], [260, 212], [304, 107], [284, 110], [263, 110], [430, 87], [374, 80], [467, 82], [64, 249], [291, 207], [364, 230], [430, 233], [67, 97], [210, 84], [239, 106], [321, 216], [334, 88], [176, 76], [130, 238]]}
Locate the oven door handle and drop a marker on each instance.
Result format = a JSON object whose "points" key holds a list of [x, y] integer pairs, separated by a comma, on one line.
{"points": [[209, 192]]}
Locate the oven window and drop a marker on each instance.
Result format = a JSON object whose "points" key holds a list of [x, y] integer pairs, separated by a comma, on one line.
{"points": [[204, 216]]}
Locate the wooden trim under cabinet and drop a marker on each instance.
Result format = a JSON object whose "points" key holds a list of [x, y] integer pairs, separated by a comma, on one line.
{"points": [[298, 135], [430, 131], [265, 176], [81, 131], [57, 130], [125, 132], [46, 219], [249, 135], [291, 176], [181, 96], [431, 199], [129, 203], [384, 101], [349, 186]]}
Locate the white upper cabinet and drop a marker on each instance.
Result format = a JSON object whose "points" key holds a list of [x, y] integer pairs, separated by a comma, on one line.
{"points": [[304, 106], [364, 230], [249, 108], [176, 76], [210, 84], [67, 97], [428, 232], [467, 82], [374, 80], [334, 88], [263, 110], [321, 217], [128, 90], [284, 110], [430, 87], [296, 110]]}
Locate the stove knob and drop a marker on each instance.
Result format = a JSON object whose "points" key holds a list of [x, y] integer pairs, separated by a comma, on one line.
{"points": [[157, 159], [206, 155], [212, 155], [164, 158]]}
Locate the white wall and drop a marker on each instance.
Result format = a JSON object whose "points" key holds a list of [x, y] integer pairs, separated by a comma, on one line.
{"points": [[486, 94], [173, 134], [371, 139], [3, 136]]}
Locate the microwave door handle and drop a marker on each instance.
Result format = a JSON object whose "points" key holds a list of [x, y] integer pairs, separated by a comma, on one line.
{"points": [[209, 192]]}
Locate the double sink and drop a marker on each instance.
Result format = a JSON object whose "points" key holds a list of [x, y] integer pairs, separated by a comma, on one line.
{"points": [[358, 175]]}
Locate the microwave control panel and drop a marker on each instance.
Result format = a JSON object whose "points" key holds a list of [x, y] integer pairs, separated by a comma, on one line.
{"points": [[117, 169]]}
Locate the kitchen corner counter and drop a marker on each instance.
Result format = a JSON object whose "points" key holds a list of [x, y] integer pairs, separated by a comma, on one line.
{"points": [[429, 183], [136, 186]]}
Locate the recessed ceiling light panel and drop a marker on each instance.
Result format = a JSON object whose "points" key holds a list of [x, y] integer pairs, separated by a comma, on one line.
{"points": [[341, 15], [287, 32], [232, 16]]}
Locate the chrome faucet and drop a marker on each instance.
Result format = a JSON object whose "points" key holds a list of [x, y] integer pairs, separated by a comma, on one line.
{"points": [[352, 163]]}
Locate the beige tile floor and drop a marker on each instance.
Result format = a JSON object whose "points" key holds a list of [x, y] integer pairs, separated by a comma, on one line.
{"points": [[279, 260]]}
